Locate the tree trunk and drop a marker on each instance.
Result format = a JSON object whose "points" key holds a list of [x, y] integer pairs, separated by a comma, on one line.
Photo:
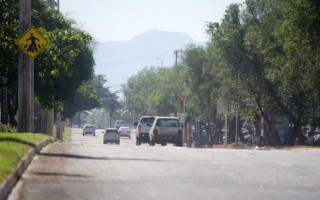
{"points": [[4, 104], [273, 127], [296, 130], [50, 120], [12, 110]]}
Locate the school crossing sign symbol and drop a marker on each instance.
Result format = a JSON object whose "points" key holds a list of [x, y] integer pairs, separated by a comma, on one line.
{"points": [[32, 42]]}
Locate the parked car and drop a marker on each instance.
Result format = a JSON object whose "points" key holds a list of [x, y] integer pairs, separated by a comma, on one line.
{"points": [[165, 130], [316, 140], [111, 135], [313, 139], [89, 129], [124, 131], [118, 124], [142, 135]]}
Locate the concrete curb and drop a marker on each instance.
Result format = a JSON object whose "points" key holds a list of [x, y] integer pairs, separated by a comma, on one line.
{"points": [[8, 184]]}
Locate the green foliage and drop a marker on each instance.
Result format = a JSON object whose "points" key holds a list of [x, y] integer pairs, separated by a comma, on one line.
{"points": [[86, 99], [264, 54], [92, 95], [154, 91], [7, 128], [65, 134], [60, 69]]}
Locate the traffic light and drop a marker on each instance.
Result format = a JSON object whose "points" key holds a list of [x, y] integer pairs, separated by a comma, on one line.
{"points": [[181, 103], [63, 118]]}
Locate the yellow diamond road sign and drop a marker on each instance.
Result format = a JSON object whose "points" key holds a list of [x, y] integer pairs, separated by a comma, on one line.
{"points": [[32, 42]]}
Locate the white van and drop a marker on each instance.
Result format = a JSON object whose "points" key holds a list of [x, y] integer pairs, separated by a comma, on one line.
{"points": [[143, 130]]}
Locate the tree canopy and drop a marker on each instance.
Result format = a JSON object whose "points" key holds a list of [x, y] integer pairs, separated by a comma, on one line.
{"points": [[263, 54]]}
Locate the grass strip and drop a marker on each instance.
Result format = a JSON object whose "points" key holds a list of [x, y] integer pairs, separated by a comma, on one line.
{"points": [[13, 146], [65, 134]]}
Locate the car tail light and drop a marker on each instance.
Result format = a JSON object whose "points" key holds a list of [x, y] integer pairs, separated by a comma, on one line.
{"points": [[139, 128], [155, 131], [179, 132]]}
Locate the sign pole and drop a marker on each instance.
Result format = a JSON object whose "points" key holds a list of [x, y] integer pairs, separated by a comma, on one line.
{"points": [[236, 128], [236, 107], [226, 131], [24, 76]]}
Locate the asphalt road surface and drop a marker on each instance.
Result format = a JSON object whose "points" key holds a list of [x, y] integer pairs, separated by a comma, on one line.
{"points": [[86, 169]]}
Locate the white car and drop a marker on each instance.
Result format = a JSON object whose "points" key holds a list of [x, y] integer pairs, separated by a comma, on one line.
{"points": [[111, 135], [89, 129], [124, 131]]}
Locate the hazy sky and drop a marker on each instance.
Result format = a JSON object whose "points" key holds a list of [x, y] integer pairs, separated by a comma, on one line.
{"points": [[121, 20]]}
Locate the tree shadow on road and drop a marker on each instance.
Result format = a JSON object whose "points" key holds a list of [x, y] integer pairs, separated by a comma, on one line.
{"points": [[74, 156], [61, 174], [16, 140]]}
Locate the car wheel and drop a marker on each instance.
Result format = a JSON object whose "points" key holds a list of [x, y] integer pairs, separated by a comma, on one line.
{"points": [[163, 144], [104, 142], [138, 143], [151, 143], [118, 142]]}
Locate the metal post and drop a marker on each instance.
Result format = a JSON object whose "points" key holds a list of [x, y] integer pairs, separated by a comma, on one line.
{"points": [[237, 128], [226, 131], [103, 119], [32, 96]]}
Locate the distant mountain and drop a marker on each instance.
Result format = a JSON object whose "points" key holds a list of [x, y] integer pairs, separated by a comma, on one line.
{"points": [[121, 60]]}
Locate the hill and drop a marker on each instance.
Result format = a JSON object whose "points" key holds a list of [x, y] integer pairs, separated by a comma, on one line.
{"points": [[121, 60]]}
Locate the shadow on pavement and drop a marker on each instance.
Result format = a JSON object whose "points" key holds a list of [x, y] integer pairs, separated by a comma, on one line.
{"points": [[12, 139], [96, 158], [60, 174]]}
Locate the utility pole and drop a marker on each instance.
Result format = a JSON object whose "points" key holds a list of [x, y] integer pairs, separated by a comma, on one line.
{"points": [[176, 52], [24, 76], [52, 4], [50, 112]]}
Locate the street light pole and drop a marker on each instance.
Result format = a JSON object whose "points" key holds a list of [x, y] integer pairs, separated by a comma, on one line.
{"points": [[161, 61]]}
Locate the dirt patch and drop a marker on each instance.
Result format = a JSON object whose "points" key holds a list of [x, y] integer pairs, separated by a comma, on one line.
{"points": [[255, 147]]}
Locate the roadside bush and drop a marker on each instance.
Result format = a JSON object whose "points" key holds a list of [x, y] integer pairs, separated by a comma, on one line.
{"points": [[7, 128]]}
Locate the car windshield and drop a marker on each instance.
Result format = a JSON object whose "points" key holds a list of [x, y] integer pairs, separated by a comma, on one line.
{"points": [[124, 128], [89, 127], [111, 131], [147, 120], [167, 123]]}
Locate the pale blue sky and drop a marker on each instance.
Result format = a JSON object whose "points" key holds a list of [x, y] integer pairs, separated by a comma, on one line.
{"points": [[121, 20]]}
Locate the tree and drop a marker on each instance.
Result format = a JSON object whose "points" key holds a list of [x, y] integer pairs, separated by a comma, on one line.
{"points": [[9, 24], [86, 99], [59, 71], [93, 95]]}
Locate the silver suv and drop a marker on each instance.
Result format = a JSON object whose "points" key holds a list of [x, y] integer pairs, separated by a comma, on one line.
{"points": [[165, 130], [143, 129]]}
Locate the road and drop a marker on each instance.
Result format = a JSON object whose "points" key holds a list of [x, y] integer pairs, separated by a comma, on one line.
{"points": [[84, 168]]}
